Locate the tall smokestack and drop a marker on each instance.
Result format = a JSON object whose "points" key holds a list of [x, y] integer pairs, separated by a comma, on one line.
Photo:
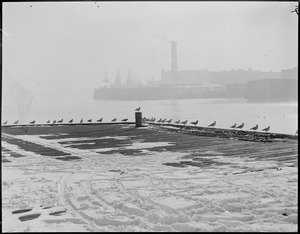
{"points": [[174, 67]]}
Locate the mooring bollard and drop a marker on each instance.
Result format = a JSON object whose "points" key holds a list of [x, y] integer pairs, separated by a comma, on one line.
{"points": [[138, 119]]}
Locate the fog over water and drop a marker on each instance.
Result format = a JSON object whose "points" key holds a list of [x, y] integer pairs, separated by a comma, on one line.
{"points": [[56, 53]]}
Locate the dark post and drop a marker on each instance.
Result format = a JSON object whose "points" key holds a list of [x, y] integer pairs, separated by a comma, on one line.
{"points": [[138, 119]]}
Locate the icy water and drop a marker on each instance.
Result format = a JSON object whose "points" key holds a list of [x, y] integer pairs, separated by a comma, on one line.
{"points": [[281, 117]]}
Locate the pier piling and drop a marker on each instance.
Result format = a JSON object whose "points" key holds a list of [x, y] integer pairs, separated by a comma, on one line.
{"points": [[138, 119]]}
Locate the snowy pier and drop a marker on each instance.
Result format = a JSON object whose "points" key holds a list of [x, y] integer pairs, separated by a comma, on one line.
{"points": [[117, 177]]}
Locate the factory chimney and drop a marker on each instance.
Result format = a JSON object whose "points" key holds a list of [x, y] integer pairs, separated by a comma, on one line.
{"points": [[174, 67]]}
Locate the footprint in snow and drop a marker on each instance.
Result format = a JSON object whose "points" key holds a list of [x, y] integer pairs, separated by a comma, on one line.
{"points": [[285, 213]]}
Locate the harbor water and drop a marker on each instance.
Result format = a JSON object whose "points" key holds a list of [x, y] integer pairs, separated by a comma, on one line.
{"points": [[282, 117]]}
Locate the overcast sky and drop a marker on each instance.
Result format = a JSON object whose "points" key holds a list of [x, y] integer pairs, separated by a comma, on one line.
{"points": [[57, 49]]}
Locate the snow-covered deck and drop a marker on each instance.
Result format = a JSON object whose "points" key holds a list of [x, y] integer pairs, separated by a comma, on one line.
{"points": [[122, 178]]}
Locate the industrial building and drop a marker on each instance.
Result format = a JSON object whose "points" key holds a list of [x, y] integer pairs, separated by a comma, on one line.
{"points": [[181, 84]]}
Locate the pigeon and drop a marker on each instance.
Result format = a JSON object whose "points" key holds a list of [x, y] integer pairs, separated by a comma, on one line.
{"points": [[240, 126], [184, 122], [213, 124], [60, 121], [177, 122], [254, 128], [266, 129], [16, 122], [5, 122], [233, 126], [169, 121], [54, 121], [124, 120], [114, 120], [195, 123], [138, 109], [81, 120], [100, 120], [48, 121], [32, 122], [89, 120], [71, 121]]}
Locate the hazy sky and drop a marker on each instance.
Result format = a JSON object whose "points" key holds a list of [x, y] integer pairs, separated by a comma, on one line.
{"points": [[62, 49]]}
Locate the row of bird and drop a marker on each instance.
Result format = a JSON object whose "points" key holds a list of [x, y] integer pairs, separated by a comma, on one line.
{"points": [[241, 126], [152, 119], [235, 126], [70, 121]]}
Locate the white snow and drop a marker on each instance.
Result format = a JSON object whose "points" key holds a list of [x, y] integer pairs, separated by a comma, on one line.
{"points": [[122, 193]]}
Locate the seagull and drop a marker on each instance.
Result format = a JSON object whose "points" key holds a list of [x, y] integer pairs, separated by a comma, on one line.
{"points": [[89, 120], [54, 121], [266, 129], [169, 121], [32, 122], [213, 124], [233, 126], [254, 128], [164, 120], [153, 119], [48, 121], [114, 120], [100, 120], [177, 122], [138, 109], [195, 123], [16, 122], [71, 121], [60, 121], [158, 121], [5, 122], [124, 120], [184, 122], [81, 120], [296, 10], [240, 126]]}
